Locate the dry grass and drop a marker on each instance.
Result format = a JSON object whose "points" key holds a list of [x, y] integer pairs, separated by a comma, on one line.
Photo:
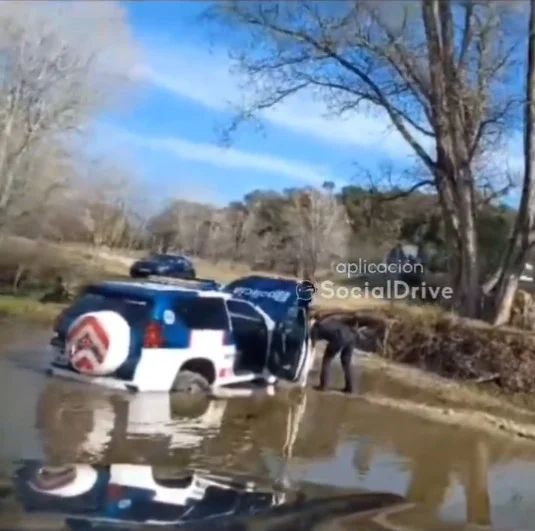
{"points": [[385, 306], [80, 264], [41, 263], [222, 271], [29, 309]]}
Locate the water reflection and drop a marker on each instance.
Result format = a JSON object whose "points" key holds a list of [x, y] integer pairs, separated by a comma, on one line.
{"points": [[77, 424], [454, 475], [85, 496]]}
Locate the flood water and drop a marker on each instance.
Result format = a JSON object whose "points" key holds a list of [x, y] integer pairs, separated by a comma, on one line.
{"points": [[456, 478]]}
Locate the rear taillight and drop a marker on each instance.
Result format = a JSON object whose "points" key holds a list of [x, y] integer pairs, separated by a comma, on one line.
{"points": [[153, 336]]}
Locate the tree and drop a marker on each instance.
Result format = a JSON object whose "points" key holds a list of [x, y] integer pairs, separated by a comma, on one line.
{"points": [[61, 63], [231, 230], [105, 202], [505, 282], [318, 227], [31, 205], [270, 245], [439, 70]]}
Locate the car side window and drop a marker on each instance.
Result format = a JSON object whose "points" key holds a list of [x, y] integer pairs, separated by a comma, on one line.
{"points": [[243, 310], [202, 313], [294, 322]]}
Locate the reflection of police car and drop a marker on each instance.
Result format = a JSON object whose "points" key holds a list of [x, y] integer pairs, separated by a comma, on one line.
{"points": [[135, 495], [160, 336], [76, 423], [126, 497]]}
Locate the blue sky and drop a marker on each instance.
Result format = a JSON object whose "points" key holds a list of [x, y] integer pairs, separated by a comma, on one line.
{"points": [[169, 133]]}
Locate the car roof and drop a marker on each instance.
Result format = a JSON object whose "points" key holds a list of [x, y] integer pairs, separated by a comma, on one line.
{"points": [[153, 289], [168, 255]]}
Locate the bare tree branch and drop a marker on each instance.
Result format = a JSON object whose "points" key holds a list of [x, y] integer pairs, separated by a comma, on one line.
{"points": [[445, 86], [55, 74]]}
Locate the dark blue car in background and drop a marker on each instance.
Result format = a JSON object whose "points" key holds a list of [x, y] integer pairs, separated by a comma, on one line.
{"points": [[169, 265]]}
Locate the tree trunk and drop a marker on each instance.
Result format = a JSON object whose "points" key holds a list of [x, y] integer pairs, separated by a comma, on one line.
{"points": [[503, 302], [470, 289], [522, 239], [455, 199], [21, 270], [453, 176]]}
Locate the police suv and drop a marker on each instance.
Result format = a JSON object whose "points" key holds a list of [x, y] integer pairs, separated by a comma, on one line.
{"points": [[185, 336]]}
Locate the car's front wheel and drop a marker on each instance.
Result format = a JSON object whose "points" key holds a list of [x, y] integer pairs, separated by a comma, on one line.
{"points": [[191, 383]]}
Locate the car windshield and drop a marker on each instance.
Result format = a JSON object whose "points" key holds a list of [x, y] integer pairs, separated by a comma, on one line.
{"points": [[161, 258]]}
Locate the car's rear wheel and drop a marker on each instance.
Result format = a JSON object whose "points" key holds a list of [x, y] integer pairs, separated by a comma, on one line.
{"points": [[191, 383]]}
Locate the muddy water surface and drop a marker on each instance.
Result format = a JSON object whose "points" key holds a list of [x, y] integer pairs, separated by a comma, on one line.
{"points": [[456, 477]]}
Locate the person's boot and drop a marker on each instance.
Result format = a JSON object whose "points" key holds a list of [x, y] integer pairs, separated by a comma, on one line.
{"points": [[324, 377], [349, 384], [348, 376]]}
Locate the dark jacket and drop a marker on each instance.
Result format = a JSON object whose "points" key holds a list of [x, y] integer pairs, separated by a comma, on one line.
{"points": [[332, 330]]}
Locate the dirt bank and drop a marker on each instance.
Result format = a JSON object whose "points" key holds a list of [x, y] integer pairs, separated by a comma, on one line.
{"points": [[403, 388]]}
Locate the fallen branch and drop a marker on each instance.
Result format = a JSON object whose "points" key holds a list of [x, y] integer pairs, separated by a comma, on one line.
{"points": [[486, 379]]}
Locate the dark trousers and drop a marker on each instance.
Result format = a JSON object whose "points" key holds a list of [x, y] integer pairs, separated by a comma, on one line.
{"points": [[346, 352]]}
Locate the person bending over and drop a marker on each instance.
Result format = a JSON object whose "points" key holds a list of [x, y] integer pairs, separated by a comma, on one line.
{"points": [[341, 338]]}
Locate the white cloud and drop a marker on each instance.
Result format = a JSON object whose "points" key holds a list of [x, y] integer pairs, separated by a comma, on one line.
{"points": [[221, 157], [513, 153], [206, 79], [234, 158]]}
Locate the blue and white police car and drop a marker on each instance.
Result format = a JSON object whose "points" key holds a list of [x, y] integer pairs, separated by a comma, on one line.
{"points": [[159, 335]]}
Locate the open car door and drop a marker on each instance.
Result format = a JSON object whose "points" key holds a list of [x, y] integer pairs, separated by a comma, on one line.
{"points": [[289, 350], [290, 346]]}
